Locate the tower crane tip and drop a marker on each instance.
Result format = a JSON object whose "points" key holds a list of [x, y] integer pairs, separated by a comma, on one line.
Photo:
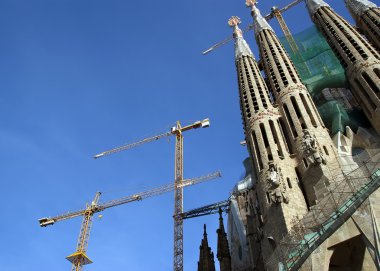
{"points": [[98, 155]]}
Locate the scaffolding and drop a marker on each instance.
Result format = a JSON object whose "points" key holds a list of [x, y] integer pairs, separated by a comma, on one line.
{"points": [[346, 196]]}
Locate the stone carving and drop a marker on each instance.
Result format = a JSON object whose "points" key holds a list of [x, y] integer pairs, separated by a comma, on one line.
{"points": [[311, 151], [265, 114], [276, 186]]}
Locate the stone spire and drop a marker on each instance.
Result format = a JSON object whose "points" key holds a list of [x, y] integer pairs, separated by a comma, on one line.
{"points": [[314, 5], [259, 21], [255, 94], [367, 17], [268, 149], [223, 253], [359, 7], [206, 256], [359, 58], [241, 46], [299, 114]]}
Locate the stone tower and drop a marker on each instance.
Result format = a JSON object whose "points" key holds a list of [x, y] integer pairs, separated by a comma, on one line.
{"points": [[308, 139], [206, 256], [223, 253], [367, 17], [277, 192], [359, 58]]}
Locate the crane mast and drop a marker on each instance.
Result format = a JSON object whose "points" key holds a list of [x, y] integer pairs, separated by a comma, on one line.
{"points": [[178, 200], [79, 258], [178, 180], [288, 35]]}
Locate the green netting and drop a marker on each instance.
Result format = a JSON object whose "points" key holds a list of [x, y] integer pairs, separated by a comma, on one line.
{"points": [[318, 66], [319, 69]]}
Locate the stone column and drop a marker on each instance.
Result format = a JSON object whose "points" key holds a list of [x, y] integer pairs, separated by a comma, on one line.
{"points": [[280, 198], [309, 140]]}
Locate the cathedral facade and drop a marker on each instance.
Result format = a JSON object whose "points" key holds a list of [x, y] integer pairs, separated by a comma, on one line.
{"points": [[307, 201]]}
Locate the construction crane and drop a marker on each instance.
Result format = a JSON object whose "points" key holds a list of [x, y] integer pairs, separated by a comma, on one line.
{"points": [[176, 131], [275, 13], [210, 209], [79, 257]]}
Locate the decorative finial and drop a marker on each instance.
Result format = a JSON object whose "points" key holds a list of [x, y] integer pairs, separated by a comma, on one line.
{"points": [[204, 229], [220, 212], [234, 21], [250, 3], [314, 5], [241, 46]]}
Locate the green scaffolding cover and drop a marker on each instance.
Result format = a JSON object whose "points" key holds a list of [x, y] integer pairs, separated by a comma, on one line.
{"points": [[319, 68], [315, 61]]}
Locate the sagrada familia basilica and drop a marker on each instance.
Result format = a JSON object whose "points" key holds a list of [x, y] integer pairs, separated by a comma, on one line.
{"points": [[309, 198]]}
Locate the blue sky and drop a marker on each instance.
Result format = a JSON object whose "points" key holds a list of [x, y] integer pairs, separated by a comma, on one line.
{"points": [[79, 77]]}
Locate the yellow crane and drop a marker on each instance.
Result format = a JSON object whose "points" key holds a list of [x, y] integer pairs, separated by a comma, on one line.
{"points": [[178, 180], [79, 258], [275, 13]]}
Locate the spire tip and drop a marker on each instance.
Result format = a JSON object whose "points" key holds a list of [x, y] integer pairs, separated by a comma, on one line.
{"points": [[250, 3], [234, 21]]}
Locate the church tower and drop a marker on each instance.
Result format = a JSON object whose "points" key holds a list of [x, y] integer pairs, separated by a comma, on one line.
{"points": [[277, 193], [307, 137], [206, 256], [359, 58], [223, 253], [367, 17]]}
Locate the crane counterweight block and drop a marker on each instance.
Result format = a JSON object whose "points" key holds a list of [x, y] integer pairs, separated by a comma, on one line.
{"points": [[44, 222]]}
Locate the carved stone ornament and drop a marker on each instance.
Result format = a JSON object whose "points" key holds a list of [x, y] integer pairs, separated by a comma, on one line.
{"points": [[311, 151], [276, 186]]}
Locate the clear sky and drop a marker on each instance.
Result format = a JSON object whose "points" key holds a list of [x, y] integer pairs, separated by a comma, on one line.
{"points": [[81, 76]]}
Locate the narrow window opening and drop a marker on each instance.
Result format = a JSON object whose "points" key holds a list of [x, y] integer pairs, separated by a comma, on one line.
{"points": [[258, 154], [298, 112], [300, 184], [289, 183], [311, 115], [305, 163], [290, 120], [364, 92], [264, 134], [315, 109], [285, 135], [372, 84], [276, 139], [268, 197], [266, 142], [377, 71], [326, 151]]}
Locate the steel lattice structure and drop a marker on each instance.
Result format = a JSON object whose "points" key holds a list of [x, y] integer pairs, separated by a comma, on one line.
{"points": [[178, 180], [79, 258]]}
